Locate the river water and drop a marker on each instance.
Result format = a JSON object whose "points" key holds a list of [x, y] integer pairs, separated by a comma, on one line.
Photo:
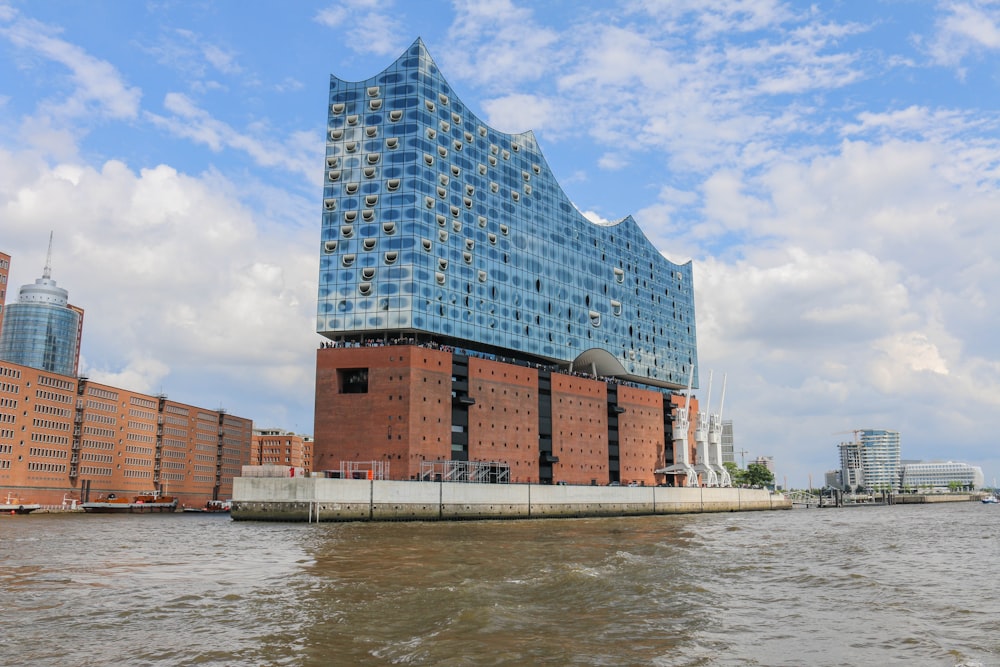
{"points": [[915, 585]]}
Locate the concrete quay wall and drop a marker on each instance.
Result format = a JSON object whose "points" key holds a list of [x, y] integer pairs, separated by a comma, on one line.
{"points": [[325, 499]]}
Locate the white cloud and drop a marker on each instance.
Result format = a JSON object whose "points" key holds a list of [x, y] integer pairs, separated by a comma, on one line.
{"points": [[300, 153], [965, 28], [177, 274], [98, 86], [374, 27]]}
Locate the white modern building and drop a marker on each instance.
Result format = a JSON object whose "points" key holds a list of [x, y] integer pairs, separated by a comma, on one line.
{"points": [[941, 475]]}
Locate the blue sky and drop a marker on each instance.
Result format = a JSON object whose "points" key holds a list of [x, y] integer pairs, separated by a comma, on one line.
{"points": [[831, 168]]}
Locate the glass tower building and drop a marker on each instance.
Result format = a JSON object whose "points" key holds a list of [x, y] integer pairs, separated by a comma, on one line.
{"points": [[439, 227], [872, 460], [42, 330]]}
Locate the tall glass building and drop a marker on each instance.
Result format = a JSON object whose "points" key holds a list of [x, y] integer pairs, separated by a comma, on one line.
{"points": [[42, 330], [439, 227], [872, 460]]}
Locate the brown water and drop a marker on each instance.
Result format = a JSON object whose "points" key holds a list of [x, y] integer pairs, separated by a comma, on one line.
{"points": [[896, 585]]}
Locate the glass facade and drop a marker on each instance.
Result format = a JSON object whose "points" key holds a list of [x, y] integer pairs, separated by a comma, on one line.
{"points": [[41, 330], [872, 460], [438, 226]]}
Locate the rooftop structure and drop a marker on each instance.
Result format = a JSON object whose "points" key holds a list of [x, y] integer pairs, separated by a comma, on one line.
{"points": [[439, 227]]}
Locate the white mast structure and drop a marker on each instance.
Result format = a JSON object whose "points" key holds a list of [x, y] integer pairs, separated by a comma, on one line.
{"points": [[715, 441], [682, 460], [704, 462]]}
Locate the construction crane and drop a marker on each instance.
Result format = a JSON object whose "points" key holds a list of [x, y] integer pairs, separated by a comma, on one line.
{"points": [[743, 457]]}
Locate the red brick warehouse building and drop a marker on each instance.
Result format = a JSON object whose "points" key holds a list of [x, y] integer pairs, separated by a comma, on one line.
{"points": [[474, 315]]}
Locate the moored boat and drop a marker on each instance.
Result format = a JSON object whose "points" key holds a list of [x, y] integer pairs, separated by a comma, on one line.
{"points": [[212, 507], [17, 506], [144, 502], [989, 500]]}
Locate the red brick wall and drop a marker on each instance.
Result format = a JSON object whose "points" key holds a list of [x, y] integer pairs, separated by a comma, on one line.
{"points": [[640, 435], [404, 419], [579, 430], [503, 424]]}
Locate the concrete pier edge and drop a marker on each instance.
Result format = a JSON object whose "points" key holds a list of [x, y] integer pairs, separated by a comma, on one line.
{"points": [[327, 500]]}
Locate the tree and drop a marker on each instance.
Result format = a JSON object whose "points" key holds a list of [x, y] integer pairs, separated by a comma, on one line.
{"points": [[735, 474], [757, 474]]}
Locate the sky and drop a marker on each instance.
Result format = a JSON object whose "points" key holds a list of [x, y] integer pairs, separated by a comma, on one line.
{"points": [[832, 169]]}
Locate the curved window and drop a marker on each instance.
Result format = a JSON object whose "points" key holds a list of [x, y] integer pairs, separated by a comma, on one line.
{"points": [[371, 132], [336, 134], [338, 108], [375, 105], [330, 204], [365, 288], [395, 115], [347, 260], [373, 91], [350, 216], [369, 172], [373, 158], [391, 257], [440, 278], [391, 143], [332, 162], [426, 244], [347, 231], [389, 228], [367, 273], [392, 184], [371, 200], [335, 175], [368, 214], [352, 120], [369, 244], [330, 246]]}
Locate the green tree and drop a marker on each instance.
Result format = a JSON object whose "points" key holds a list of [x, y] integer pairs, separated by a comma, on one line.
{"points": [[758, 475], [735, 474]]}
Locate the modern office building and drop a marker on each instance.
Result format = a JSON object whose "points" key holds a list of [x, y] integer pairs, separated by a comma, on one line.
{"points": [[872, 460], [273, 446], [766, 461], [728, 451], [42, 330], [474, 315], [941, 476]]}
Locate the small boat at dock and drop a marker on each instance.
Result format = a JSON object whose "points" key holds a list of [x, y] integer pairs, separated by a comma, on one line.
{"points": [[17, 506], [212, 507], [144, 502]]}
